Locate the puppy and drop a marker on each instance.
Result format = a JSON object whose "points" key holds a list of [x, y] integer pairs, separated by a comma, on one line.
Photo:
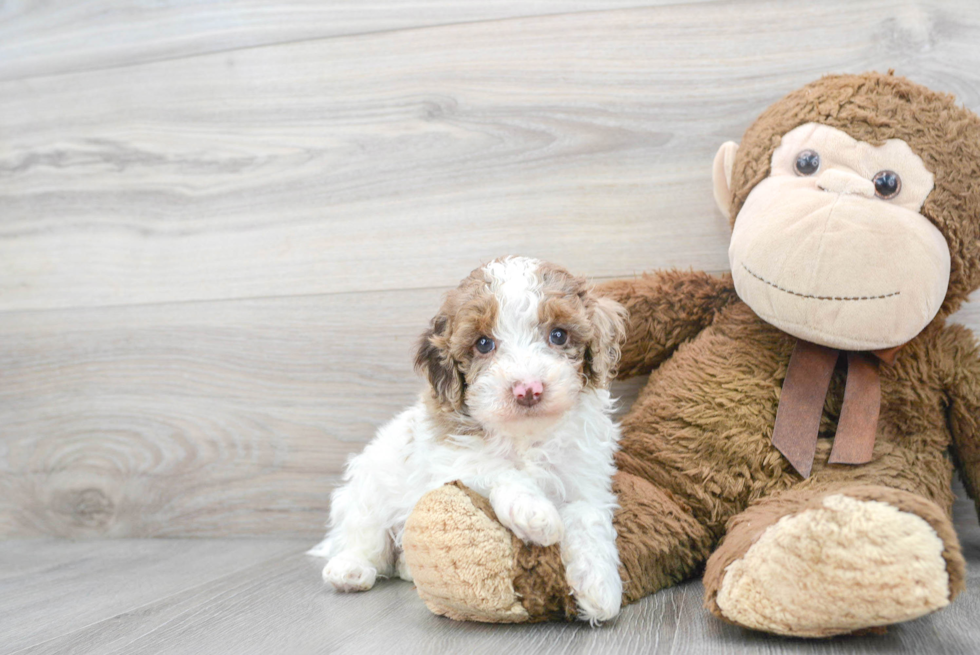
{"points": [[518, 361]]}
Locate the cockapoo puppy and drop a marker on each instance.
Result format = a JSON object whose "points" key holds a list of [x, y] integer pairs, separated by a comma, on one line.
{"points": [[518, 360]]}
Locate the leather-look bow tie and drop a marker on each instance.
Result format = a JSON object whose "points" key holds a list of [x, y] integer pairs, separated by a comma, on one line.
{"points": [[802, 399]]}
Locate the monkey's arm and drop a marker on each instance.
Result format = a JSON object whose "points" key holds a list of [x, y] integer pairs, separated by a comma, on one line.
{"points": [[963, 412], [666, 309]]}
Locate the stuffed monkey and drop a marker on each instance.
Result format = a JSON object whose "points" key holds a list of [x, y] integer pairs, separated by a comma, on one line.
{"points": [[797, 437]]}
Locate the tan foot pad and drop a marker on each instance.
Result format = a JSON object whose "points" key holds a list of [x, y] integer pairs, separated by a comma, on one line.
{"points": [[849, 565]]}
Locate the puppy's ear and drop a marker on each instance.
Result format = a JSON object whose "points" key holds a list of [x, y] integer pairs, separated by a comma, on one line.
{"points": [[436, 363], [608, 320]]}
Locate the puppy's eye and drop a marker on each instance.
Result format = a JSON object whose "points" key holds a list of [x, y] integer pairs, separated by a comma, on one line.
{"points": [[807, 162], [485, 345], [887, 184], [558, 337]]}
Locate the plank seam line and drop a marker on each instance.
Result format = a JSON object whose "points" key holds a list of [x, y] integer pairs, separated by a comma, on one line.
{"points": [[166, 303], [394, 30]]}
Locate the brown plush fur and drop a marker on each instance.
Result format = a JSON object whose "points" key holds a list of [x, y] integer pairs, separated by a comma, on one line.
{"points": [[659, 542], [696, 460]]}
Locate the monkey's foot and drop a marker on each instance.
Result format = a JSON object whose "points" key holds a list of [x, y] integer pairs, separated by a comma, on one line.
{"points": [[828, 563], [469, 567]]}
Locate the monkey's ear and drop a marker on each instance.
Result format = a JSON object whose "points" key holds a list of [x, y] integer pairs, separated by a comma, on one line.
{"points": [[609, 331], [436, 363], [721, 173]]}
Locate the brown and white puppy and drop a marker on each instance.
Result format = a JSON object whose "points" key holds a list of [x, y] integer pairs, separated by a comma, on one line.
{"points": [[518, 361]]}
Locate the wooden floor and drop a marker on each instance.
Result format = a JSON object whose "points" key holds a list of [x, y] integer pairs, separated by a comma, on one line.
{"points": [[237, 597]]}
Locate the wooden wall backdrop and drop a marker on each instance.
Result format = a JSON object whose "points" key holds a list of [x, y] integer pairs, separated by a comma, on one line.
{"points": [[223, 225]]}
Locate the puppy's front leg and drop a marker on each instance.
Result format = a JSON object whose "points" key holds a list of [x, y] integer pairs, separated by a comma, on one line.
{"points": [[524, 510], [592, 560], [360, 549]]}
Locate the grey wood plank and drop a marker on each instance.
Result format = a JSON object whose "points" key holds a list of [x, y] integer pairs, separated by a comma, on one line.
{"points": [[280, 605], [61, 36], [394, 160], [196, 419], [49, 587], [199, 419]]}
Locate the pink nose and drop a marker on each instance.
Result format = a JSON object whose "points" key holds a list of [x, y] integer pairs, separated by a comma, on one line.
{"points": [[528, 392]]}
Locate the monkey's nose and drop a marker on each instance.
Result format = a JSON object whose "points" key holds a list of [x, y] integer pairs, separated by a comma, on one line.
{"points": [[837, 181], [528, 393]]}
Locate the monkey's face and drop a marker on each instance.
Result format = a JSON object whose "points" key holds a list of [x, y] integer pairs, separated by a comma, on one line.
{"points": [[831, 247]]}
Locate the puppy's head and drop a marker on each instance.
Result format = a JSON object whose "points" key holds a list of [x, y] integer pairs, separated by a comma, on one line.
{"points": [[518, 341]]}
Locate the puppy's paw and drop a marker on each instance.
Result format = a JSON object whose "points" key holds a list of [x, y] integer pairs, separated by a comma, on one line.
{"points": [[349, 573], [598, 592], [533, 519]]}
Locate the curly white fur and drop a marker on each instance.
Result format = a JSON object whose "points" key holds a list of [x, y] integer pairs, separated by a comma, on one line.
{"points": [[547, 472]]}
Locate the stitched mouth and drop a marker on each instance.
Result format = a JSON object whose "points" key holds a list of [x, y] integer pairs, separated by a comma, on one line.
{"points": [[813, 297]]}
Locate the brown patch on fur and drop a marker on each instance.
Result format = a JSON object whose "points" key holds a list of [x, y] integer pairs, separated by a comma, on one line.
{"points": [[433, 361], [557, 280], [873, 107], [447, 357], [596, 325], [562, 307], [608, 320], [446, 351]]}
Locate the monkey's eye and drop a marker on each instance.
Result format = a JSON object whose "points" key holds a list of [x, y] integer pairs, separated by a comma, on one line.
{"points": [[807, 162], [558, 337], [485, 345], [887, 184]]}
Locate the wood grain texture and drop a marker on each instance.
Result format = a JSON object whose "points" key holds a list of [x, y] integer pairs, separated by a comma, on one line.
{"points": [[196, 419], [52, 588], [279, 604], [397, 160], [34, 36], [199, 419]]}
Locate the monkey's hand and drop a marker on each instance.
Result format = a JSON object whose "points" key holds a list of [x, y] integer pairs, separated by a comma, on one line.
{"points": [[666, 308]]}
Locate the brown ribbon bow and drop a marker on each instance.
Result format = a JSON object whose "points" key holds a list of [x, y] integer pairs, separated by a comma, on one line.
{"points": [[801, 405]]}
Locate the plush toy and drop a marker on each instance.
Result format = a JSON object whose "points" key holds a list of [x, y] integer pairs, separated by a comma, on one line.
{"points": [[799, 430]]}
